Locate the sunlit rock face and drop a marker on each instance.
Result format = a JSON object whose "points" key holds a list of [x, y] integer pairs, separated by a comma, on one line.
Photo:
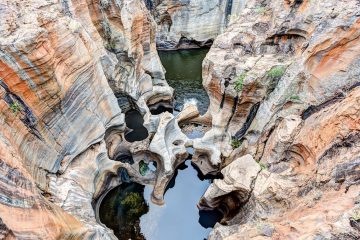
{"points": [[191, 23], [131, 64], [25, 213], [62, 64], [283, 80]]}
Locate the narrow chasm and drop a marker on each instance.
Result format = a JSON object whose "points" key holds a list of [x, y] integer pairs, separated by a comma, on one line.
{"points": [[129, 209]]}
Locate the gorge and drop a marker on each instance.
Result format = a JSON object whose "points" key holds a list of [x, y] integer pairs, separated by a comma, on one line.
{"points": [[88, 113]]}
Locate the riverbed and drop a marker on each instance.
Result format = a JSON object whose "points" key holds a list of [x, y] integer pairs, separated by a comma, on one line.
{"points": [[127, 209]]}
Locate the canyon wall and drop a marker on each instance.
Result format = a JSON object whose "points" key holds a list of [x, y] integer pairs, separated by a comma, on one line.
{"points": [[283, 82], [284, 88], [62, 65], [191, 23]]}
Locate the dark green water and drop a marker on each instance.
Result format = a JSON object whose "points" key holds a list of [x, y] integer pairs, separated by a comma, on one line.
{"points": [[184, 74], [121, 210]]}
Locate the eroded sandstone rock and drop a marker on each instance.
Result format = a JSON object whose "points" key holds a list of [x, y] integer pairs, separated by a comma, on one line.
{"points": [[283, 80], [194, 23], [234, 190], [62, 64]]}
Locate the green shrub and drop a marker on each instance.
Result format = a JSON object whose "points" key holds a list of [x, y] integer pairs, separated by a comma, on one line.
{"points": [[110, 45], [235, 143], [276, 72], [240, 82], [262, 166], [356, 216], [15, 107], [143, 168], [134, 205]]}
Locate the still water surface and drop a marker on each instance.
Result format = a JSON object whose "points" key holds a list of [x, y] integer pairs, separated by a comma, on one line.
{"points": [[184, 74]]}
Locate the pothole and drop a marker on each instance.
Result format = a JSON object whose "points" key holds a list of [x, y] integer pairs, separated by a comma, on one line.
{"points": [[128, 210], [137, 131]]}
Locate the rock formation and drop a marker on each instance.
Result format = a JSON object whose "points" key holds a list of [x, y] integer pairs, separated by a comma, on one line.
{"points": [[228, 194], [62, 64], [283, 81], [189, 24], [284, 115]]}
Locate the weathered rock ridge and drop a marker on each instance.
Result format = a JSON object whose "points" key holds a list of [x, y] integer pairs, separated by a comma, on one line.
{"points": [[62, 65], [284, 84]]}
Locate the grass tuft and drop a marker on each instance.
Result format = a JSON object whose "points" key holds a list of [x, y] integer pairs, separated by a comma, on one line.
{"points": [[235, 143], [239, 84], [262, 166], [15, 107], [276, 72], [260, 10], [356, 216]]}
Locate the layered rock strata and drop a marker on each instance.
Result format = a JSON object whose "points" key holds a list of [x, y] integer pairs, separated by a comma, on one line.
{"points": [[283, 82], [62, 64]]}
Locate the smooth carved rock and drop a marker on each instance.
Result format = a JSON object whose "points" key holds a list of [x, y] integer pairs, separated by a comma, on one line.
{"points": [[131, 63], [165, 145], [238, 182], [194, 23], [84, 181], [61, 65], [284, 79], [25, 213], [280, 139], [169, 144], [189, 113]]}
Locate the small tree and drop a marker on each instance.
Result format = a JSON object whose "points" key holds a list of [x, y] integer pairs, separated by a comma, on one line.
{"points": [[143, 168]]}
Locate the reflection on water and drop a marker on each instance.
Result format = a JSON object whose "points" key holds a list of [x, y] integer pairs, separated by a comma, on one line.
{"points": [[183, 73], [129, 211], [121, 209], [179, 218]]}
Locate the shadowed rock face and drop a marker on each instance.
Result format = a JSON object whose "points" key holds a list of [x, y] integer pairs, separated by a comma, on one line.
{"points": [[283, 80], [191, 23]]}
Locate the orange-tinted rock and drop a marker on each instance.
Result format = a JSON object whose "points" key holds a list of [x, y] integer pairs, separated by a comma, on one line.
{"points": [[62, 65], [284, 80]]}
